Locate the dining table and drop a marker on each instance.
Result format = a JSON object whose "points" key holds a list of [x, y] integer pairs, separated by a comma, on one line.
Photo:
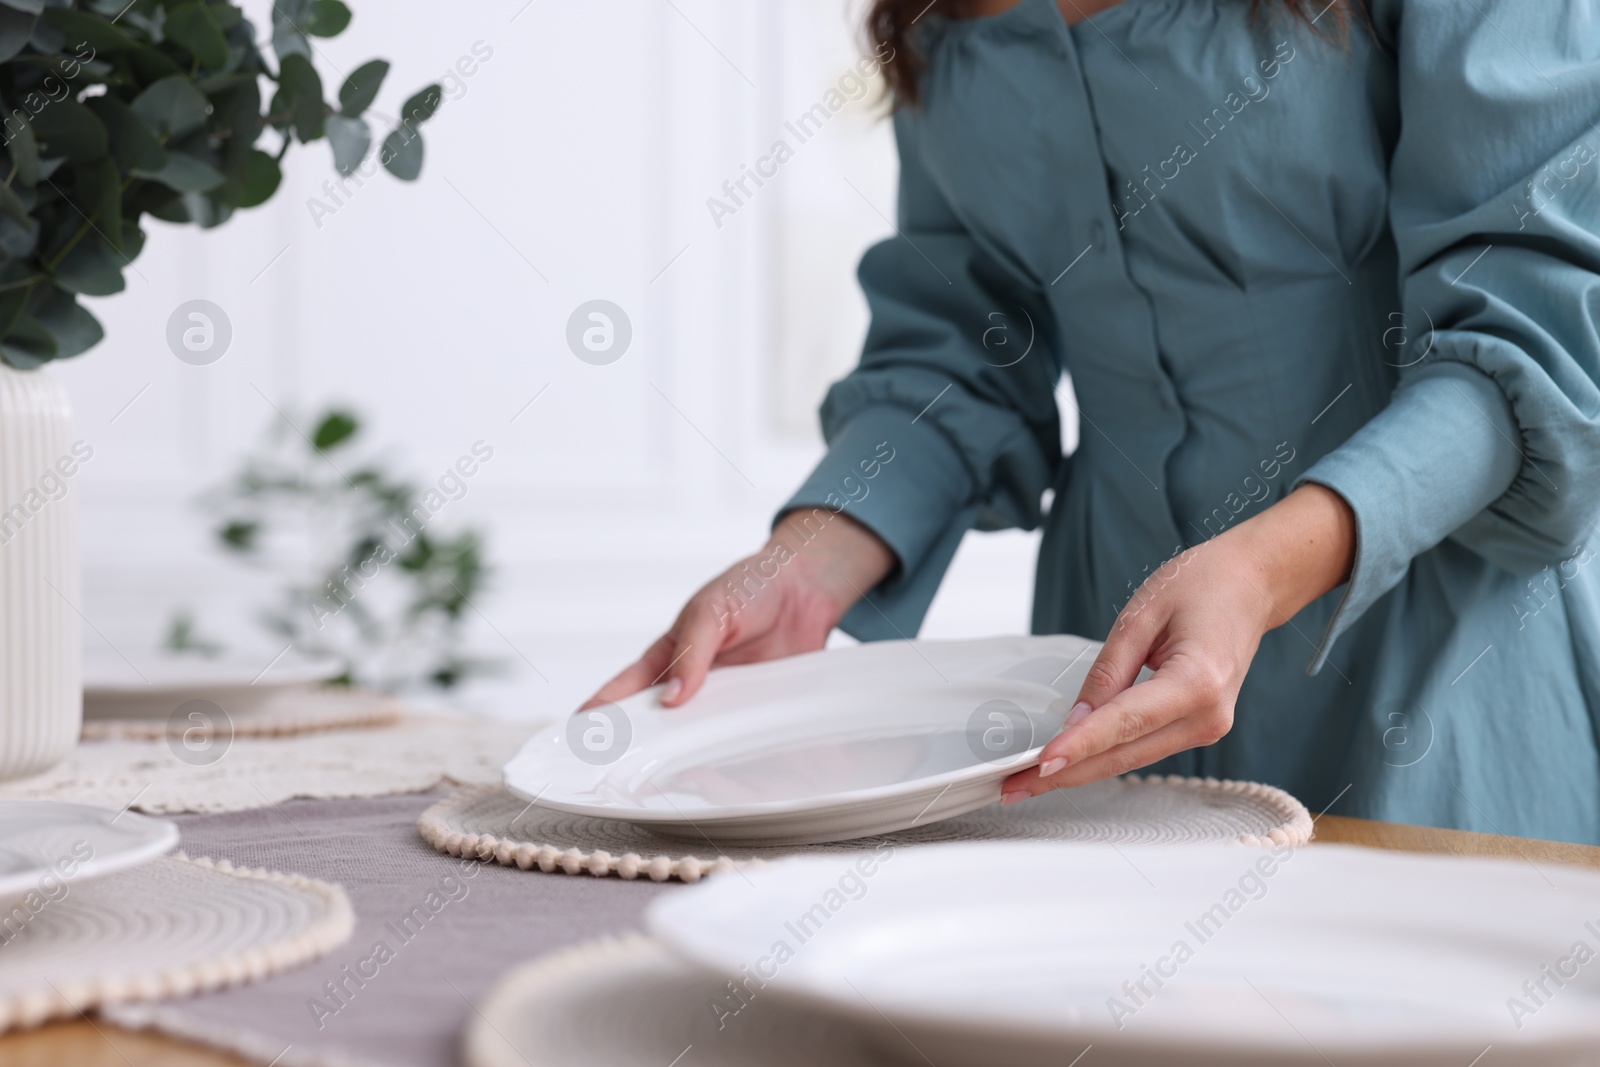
{"points": [[93, 1042]]}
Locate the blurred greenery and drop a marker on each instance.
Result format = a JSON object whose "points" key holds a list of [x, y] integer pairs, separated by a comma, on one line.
{"points": [[114, 110], [365, 574]]}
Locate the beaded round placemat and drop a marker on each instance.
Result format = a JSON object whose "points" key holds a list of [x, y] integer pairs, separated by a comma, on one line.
{"points": [[298, 710], [630, 1003], [491, 823], [168, 928]]}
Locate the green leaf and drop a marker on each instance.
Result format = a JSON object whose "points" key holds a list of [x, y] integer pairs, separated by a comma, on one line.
{"points": [[236, 116], [328, 18], [361, 88], [18, 239], [288, 41], [24, 150], [206, 210], [75, 330], [133, 143], [13, 303], [192, 26], [401, 154], [351, 140], [28, 344], [174, 210], [335, 428], [99, 189], [150, 65], [132, 240], [422, 106], [303, 87], [236, 119], [16, 27], [185, 173], [239, 535], [46, 39], [172, 106], [261, 178], [76, 74], [91, 268], [78, 27], [67, 128], [288, 34], [13, 207], [217, 83]]}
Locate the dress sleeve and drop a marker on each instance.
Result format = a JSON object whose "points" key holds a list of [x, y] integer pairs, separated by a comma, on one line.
{"points": [[945, 423], [1492, 439]]}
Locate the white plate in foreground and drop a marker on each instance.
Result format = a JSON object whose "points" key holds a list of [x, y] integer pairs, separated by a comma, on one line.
{"points": [[1024, 953], [153, 683], [44, 844], [826, 746]]}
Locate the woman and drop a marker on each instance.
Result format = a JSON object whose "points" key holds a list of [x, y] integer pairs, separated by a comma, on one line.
{"points": [[1325, 281]]}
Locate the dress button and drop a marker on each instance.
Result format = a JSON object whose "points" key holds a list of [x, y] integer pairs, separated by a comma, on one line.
{"points": [[1097, 234]]}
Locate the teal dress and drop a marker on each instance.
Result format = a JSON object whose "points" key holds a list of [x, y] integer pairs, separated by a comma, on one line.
{"points": [[1265, 259]]}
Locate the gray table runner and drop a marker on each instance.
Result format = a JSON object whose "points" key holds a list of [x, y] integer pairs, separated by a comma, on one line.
{"points": [[433, 933]]}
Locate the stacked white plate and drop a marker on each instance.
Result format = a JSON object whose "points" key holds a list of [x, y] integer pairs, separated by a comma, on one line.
{"points": [[821, 747], [44, 845], [1209, 957], [154, 683]]}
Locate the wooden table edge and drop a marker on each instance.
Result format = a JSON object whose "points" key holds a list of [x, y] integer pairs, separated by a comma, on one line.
{"points": [[1404, 837]]}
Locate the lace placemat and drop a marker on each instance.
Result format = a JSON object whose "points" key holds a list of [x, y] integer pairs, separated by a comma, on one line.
{"points": [[289, 711], [492, 823], [168, 928], [629, 1003], [216, 773]]}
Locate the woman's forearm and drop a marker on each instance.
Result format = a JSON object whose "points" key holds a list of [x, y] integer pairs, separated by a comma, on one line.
{"points": [[1304, 546], [839, 556]]}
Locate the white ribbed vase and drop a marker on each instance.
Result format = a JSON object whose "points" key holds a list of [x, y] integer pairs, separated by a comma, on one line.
{"points": [[41, 652]]}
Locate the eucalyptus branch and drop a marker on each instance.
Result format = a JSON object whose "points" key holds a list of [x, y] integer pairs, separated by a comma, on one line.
{"points": [[175, 149]]}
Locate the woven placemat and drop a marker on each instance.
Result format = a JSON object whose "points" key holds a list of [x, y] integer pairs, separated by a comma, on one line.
{"points": [[493, 823], [628, 1002], [169, 928], [167, 774], [298, 710]]}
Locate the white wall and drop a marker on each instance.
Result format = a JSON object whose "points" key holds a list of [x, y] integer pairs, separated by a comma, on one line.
{"points": [[576, 165]]}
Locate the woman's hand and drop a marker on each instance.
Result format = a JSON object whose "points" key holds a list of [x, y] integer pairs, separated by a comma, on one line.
{"points": [[783, 600], [1197, 623]]}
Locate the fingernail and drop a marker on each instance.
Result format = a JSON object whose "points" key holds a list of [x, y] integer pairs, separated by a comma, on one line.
{"points": [[670, 693], [1015, 797], [1080, 711], [1051, 766]]}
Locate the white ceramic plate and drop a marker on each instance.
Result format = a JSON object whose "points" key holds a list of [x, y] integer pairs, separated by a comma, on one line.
{"points": [[153, 683], [822, 747], [44, 844], [993, 953]]}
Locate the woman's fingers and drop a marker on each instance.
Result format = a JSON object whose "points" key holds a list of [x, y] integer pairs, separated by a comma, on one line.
{"points": [[636, 676], [1167, 740], [1136, 711], [1182, 706], [1121, 659], [678, 661], [699, 637]]}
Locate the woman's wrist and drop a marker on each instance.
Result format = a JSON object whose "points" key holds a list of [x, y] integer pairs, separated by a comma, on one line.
{"points": [[1302, 547], [838, 556]]}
